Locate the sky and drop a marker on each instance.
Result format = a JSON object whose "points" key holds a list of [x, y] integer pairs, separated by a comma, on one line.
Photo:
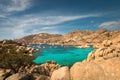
{"points": [[19, 18]]}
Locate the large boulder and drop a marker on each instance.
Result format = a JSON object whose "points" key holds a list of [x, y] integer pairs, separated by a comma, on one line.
{"points": [[96, 70], [87, 71], [61, 74]]}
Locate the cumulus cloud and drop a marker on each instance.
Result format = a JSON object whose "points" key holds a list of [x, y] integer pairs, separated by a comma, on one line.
{"points": [[111, 25], [16, 5]]}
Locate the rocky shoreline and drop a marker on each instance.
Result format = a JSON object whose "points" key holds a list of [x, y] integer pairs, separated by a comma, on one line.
{"points": [[102, 64], [19, 68]]}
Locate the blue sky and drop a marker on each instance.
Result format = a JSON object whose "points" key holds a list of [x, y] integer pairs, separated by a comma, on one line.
{"points": [[19, 18]]}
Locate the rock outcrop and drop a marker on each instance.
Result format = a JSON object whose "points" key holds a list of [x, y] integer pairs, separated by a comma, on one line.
{"points": [[21, 76], [102, 70], [18, 47], [14, 58], [34, 72], [108, 49], [87, 71], [44, 69], [102, 64], [61, 74], [72, 38]]}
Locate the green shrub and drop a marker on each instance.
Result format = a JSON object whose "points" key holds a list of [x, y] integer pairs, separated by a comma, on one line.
{"points": [[12, 60]]}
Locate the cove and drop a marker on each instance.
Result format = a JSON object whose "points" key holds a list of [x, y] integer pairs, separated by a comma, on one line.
{"points": [[62, 54]]}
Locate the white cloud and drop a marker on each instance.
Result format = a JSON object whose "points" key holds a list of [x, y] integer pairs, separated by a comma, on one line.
{"points": [[48, 20], [47, 28], [2, 16], [16, 5], [31, 24], [52, 20], [111, 25]]}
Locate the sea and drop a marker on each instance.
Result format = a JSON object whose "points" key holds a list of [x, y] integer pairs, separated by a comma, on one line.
{"points": [[65, 55]]}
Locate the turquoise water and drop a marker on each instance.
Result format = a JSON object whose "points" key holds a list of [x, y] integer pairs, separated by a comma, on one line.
{"points": [[63, 55]]}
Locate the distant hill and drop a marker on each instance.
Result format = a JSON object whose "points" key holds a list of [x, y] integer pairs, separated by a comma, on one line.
{"points": [[76, 37]]}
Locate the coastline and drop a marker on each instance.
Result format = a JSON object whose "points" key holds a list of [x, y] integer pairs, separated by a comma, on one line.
{"points": [[103, 60]]}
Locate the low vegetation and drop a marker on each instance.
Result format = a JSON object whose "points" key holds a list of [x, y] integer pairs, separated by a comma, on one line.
{"points": [[10, 59]]}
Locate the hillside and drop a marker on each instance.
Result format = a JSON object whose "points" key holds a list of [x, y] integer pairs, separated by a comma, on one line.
{"points": [[42, 38], [72, 38]]}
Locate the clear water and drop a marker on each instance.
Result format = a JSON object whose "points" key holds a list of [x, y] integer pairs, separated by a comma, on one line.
{"points": [[63, 55]]}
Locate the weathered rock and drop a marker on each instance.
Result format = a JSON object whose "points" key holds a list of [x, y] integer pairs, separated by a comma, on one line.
{"points": [[45, 69], [21, 76], [2, 74], [50, 67], [111, 68], [87, 71], [42, 77], [96, 70], [61, 74], [107, 43], [108, 49], [38, 70], [91, 56]]}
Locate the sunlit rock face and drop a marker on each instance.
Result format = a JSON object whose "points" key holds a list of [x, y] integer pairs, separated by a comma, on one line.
{"points": [[108, 49], [96, 70], [61, 74], [72, 38]]}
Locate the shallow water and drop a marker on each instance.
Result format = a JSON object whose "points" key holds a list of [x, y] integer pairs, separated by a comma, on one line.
{"points": [[63, 55]]}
